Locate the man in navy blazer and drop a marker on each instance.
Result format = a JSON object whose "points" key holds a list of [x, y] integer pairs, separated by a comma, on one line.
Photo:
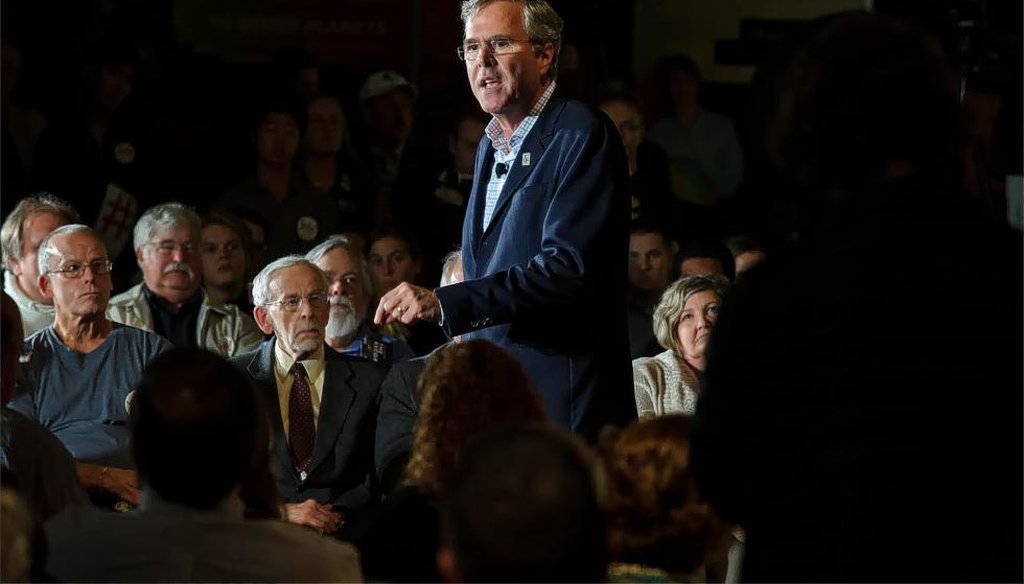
{"points": [[546, 234], [322, 449]]}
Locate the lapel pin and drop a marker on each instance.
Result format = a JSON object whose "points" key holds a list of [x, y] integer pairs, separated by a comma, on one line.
{"points": [[526, 159]]}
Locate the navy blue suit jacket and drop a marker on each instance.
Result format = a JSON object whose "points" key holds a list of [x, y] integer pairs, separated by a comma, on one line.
{"points": [[546, 280]]}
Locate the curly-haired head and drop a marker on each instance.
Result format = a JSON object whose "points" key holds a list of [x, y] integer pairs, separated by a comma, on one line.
{"points": [[656, 515], [466, 388]]}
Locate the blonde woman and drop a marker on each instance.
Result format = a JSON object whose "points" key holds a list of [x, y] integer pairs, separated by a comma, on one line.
{"points": [[683, 319]]}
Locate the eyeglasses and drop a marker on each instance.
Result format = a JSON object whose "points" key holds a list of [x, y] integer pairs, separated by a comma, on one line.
{"points": [[499, 45], [166, 249], [232, 247], [292, 303], [76, 270]]}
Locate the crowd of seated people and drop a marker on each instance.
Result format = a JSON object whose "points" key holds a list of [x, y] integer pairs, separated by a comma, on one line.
{"points": [[198, 391]]}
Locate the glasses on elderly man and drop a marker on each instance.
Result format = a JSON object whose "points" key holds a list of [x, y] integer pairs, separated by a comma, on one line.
{"points": [[77, 269], [499, 45], [166, 249], [292, 303]]}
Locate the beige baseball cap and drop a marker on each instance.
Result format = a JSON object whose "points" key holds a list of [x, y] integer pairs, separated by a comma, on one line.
{"points": [[383, 82]]}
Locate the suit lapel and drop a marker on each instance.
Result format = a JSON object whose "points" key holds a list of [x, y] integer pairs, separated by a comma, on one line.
{"points": [[335, 402], [261, 368], [472, 228]]}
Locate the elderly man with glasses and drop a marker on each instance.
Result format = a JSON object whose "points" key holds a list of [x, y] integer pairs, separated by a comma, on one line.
{"points": [[170, 301], [79, 374], [322, 403]]}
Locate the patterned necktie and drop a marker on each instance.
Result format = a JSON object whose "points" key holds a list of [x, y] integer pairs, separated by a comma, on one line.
{"points": [[301, 431]]}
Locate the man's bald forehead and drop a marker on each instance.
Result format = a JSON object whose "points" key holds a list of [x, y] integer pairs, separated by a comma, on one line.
{"points": [[64, 241]]}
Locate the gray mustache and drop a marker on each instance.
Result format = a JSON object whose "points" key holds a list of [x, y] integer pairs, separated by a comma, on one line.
{"points": [[178, 267], [342, 301]]}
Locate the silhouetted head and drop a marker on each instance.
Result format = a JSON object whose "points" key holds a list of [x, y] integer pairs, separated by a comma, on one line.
{"points": [[656, 514], [465, 390], [523, 507], [867, 99], [705, 257], [11, 334], [198, 428]]}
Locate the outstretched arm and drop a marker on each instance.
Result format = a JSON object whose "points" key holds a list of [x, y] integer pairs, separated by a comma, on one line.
{"points": [[120, 481]]}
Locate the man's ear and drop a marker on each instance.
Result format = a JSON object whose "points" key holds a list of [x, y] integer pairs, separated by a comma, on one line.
{"points": [[546, 56], [44, 286], [140, 253], [446, 565], [14, 267], [263, 320]]}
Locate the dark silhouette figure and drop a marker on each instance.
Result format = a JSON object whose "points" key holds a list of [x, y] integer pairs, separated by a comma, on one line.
{"points": [[860, 415]]}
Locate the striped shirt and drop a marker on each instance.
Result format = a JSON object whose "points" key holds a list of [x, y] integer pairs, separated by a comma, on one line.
{"points": [[506, 150]]}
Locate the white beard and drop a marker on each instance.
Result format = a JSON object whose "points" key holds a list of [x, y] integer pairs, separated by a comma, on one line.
{"points": [[343, 320]]}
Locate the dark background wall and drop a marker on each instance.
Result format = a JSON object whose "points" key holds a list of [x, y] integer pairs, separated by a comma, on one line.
{"points": [[202, 61]]}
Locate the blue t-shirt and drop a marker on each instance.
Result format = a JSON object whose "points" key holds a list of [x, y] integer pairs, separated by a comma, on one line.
{"points": [[81, 398]]}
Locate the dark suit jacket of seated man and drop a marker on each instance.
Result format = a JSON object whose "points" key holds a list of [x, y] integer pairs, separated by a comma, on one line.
{"points": [[341, 468]]}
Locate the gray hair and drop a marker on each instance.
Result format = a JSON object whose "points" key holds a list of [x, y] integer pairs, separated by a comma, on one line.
{"points": [[261, 283], [673, 299], [341, 242], [542, 24], [11, 232], [448, 267], [47, 249], [163, 218]]}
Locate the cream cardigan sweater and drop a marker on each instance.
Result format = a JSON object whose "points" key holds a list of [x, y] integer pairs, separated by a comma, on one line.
{"points": [[664, 385]]}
